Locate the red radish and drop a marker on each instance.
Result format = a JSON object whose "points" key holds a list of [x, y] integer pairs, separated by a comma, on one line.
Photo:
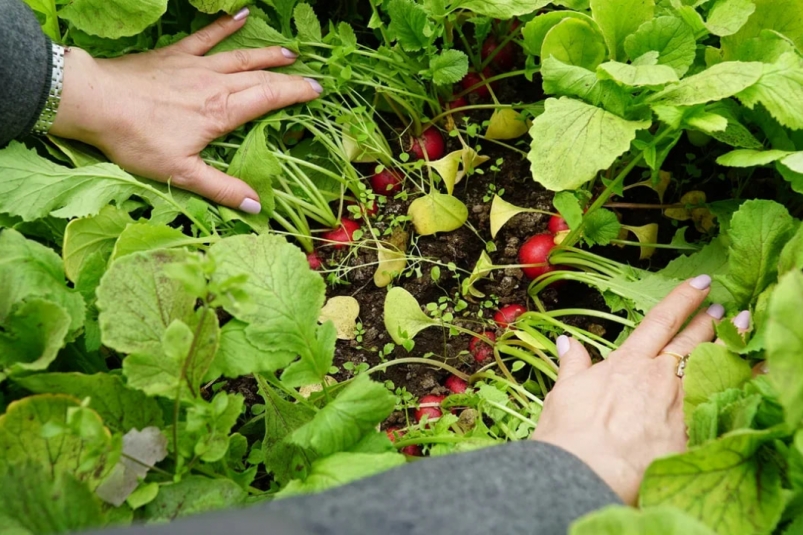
{"points": [[314, 261], [504, 60], [432, 411], [455, 384], [343, 235], [480, 349], [474, 78], [395, 434], [536, 251], [456, 103], [508, 315], [432, 141], [386, 182], [557, 225]]}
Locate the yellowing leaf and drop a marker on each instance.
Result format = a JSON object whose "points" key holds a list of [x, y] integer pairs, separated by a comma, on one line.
{"points": [[648, 234], [403, 316], [507, 123], [392, 258], [664, 179], [502, 212], [437, 212], [343, 311], [449, 169], [690, 200], [484, 267]]}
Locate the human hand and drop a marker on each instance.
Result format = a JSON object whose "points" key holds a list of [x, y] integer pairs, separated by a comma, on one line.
{"points": [[620, 415], [153, 113]]}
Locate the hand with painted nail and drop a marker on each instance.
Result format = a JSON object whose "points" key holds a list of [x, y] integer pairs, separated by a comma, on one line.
{"points": [[153, 113], [621, 414]]}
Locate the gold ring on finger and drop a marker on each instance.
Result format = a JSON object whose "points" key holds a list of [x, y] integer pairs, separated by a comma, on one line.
{"points": [[682, 361]]}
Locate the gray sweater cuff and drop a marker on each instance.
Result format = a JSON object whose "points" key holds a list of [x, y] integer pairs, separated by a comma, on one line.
{"points": [[515, 489], [26, 65]]}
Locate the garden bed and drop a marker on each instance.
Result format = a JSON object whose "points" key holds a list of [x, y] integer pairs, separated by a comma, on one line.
{"points": [[645, 142]]}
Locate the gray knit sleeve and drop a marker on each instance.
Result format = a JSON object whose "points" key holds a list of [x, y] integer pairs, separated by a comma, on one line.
{"points": [[516, 489], [26, 64]]}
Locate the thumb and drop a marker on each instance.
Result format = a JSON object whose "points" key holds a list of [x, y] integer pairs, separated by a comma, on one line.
{"points": [[573, 357], [219, 187]]}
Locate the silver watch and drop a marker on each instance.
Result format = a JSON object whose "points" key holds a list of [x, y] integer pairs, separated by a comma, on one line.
{"points": [[48, 115]]}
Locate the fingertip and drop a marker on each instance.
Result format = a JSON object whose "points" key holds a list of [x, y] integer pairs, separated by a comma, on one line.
{"points": [[716, 311], [742, 320], [289, 54], [701, 282], [250, 206], [564, 345], [241, 15], [315, 85]]}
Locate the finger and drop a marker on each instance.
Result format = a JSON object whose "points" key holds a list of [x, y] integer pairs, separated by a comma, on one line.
{"points": [[257, 101], [741, 322], [219, 187], [700, 330], [665, 319], [245, 80], [204, 40], [251, 60], [573, 358]]}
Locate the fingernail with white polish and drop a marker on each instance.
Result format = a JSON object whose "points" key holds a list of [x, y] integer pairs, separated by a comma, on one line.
{"points": [[716, 311], [315, 85], [250, 206], [742, 321], [289, 54], [564, 345], [703, 282], [240, 15]]}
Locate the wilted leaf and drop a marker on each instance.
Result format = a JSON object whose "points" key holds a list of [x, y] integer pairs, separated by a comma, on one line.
{"points": [[392, 258], [343, 311], [506, 123], [141, 450], [437, 212], [502, 212], [648, 234], [403, 316], [482, 269]]}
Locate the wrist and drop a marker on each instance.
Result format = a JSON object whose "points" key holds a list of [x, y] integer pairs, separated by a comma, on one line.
{"points": [[619, 474], [78, 115]]}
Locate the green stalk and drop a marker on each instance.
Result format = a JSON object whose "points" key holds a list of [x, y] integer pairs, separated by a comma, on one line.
{"points": [[574, 235]]}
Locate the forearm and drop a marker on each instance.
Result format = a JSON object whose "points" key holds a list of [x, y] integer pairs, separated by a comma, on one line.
{"points": [[523, 488], [25, 69]]}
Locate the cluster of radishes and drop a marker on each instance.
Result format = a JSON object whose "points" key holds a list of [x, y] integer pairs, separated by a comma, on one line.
{"points": [[429, 406], [430, 145], [503, 61]]}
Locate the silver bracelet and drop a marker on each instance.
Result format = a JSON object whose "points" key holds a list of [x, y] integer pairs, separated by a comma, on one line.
{"points": [[48, 115]]}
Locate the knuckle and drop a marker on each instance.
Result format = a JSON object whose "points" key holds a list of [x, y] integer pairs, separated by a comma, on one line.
{"points": [[216, 110], [222, 192], [269, 94], [204, 36], [242, 59], [664, 320]]}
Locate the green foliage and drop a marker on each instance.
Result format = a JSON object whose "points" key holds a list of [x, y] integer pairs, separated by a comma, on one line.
{"points": [[113, 19]]}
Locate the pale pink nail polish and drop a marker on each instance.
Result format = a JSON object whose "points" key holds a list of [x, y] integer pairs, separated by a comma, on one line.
{"points": [[703, 282], [742, 321], [240, 15], [289, 54], [716, 311], [564, 345], [250, 206], [315, 85]]}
